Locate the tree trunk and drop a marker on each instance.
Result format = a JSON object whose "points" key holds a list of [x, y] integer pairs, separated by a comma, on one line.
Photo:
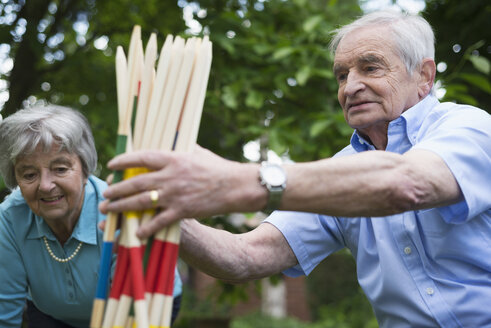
{"points": [[24, 75], [273, 298]]}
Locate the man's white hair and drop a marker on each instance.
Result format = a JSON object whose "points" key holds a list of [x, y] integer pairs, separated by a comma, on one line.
{"points": [[413, 36]]}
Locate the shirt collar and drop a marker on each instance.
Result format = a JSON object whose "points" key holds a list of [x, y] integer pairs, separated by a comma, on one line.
{"points": [[411, 119], [359, 143], [415, 116], [86, 228]]}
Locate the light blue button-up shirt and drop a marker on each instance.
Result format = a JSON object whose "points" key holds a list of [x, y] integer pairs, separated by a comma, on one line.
{"points": [[424, 268], [63, 290]]}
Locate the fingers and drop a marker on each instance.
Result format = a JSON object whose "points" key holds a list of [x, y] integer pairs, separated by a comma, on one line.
{"points": [[152, 160], [110, 179], [102, 225], [137, 202], [137, 184], [103, 206]]}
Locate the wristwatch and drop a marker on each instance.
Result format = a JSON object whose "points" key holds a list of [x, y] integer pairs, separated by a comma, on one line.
{"points": [[273, 177]]}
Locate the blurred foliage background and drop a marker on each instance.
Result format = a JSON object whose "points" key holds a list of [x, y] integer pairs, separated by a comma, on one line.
{"points": [[270, 82]]}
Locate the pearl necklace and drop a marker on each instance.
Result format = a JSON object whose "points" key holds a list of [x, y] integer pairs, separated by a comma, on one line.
{"points": [[57, 258]]}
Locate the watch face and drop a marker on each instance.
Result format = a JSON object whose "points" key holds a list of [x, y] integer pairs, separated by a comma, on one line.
{"points": [[274, 175]]}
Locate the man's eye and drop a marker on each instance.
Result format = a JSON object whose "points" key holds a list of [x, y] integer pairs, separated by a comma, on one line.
{"points": [[371, 68], [341, 77]]}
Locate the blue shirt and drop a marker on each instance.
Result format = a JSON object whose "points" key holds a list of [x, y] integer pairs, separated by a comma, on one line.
{"points": [[423, 268], [64, 291]]}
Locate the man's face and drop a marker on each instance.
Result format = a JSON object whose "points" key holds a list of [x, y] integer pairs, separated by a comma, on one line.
{"points": [[374, 85], [52, 183]]}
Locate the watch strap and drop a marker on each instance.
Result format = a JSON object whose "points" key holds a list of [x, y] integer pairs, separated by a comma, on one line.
{"points": [[274, 199]]}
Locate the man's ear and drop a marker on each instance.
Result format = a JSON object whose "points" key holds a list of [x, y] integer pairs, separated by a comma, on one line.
{"points": [[426, 77]]}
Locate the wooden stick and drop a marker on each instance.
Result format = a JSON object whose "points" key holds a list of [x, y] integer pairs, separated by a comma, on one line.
{"points": [[165, 285], [195, 98], [144, 97], [160, 83], [169, 91], [179, 80], [125, 299], [188, 133], [151, 123], [171, 124], [136, 265], [122, 265], [128, 95], [111, 218], [135, 68]]}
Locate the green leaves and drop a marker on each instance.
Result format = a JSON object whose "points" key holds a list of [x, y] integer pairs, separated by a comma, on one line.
{"points": [[254, 99], [318, 127], [229, 97], [282, 53], [480, 63], [303, 74], [478, 81], [312, 22]]}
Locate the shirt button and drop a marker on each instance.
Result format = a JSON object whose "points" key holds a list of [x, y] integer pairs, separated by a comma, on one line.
{"points": [[430, 291], [407, 250], [69, 282]]}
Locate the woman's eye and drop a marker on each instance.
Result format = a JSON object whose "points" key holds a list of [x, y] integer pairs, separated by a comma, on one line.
{"points": [[29, 176], [61, 169]]}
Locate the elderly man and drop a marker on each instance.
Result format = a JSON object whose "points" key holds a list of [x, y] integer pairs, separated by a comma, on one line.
{"points": [[410, 196]]}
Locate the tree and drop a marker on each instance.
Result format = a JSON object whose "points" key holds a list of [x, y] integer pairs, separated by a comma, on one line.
{"points": [[463, 46], [271, 67], [63, 52]]}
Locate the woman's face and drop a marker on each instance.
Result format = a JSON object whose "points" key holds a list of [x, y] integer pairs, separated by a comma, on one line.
{"points": [[52, 183]]}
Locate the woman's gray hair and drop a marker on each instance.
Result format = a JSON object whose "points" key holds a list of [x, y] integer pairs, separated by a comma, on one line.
{"points": [[45, 125], [413, 36]]}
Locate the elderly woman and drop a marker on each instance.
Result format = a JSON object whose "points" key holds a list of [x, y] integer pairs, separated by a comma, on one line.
{"points": [[50, 244]]}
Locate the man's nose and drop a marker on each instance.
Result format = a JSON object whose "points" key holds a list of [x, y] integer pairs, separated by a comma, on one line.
{"points": [[354, 84]]}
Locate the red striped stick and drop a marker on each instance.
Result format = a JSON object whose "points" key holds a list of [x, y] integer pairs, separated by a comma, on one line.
{"points": [[181, 74], [135, 68], [136, 267], [122, 264], [133, 76], [163, 296], [111, 220], [191, 117], [125, 297], [152, 123]]}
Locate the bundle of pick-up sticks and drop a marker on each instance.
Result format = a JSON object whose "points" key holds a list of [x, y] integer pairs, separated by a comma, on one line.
{"points": [[159, 107]]}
